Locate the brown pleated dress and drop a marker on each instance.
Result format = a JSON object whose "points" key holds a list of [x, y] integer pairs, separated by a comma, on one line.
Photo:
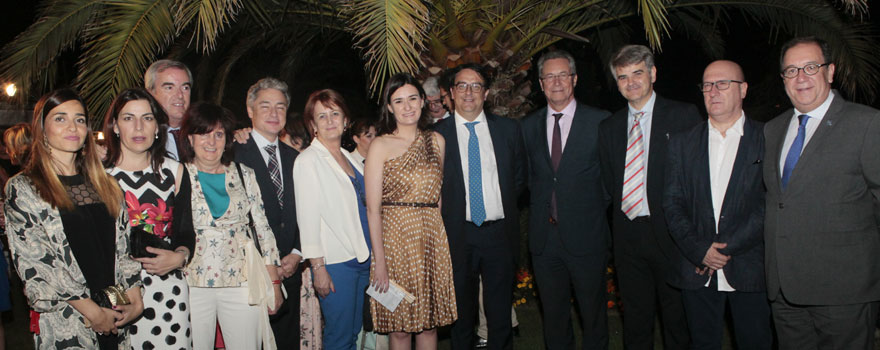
{"points": [[416, 248]]}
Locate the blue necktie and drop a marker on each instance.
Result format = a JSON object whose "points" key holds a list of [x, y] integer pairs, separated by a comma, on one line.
{"points": [[475, 177], [794, 153]]}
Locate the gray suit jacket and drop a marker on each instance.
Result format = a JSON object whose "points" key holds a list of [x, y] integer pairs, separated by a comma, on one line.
{"points": [[821, 235]]}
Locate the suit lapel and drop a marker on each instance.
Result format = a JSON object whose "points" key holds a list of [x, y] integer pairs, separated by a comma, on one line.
{"points": [[577, 123], [815, 142], [453, 157], [704, 175], [542, 137], [497, 140], [746, 155], [659, 137], [775, 138]]}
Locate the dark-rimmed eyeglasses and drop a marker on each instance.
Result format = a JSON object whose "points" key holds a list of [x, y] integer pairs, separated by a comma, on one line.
{"points": [[810, 69], [552, 77], [462, 86], [720, 85]]}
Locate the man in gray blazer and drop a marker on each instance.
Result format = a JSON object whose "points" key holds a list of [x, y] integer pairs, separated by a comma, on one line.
{"points": [[568, 229], [822, 173]]}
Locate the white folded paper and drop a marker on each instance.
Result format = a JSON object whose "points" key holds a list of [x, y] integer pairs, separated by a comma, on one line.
{"points": [[392, 297]]}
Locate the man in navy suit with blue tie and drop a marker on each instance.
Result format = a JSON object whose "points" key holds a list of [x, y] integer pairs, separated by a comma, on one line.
{"points": [[822, 238], [483, 175], [714, 204]]}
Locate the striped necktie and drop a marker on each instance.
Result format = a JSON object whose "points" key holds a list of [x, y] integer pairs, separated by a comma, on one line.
{"points": [[275, 173], [634, 172]]}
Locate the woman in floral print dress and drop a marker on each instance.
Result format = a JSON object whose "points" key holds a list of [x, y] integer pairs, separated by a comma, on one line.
{"points": [[68, 233]]}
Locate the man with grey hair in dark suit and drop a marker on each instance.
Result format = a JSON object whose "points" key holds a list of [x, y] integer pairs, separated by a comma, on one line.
{"points": [[568, 229], [821, 234]]}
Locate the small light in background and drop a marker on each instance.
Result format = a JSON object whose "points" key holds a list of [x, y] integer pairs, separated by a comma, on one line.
{"points": [[100, 135], [10, 89]]}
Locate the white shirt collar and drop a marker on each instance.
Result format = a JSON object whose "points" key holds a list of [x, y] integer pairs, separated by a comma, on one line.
{"points": [[480, 118], [820, 111], [261, 141], [647, 108], [737, 127], [568, 110]]}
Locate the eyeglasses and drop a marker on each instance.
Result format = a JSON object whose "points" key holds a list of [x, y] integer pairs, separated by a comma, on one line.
{"points": [[810, 69], [435, 103], [462, 87], [551, 77], [720, 85]]}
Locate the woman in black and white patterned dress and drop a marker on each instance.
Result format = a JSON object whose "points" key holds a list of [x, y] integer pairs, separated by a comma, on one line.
{"points": [[135, 145]]}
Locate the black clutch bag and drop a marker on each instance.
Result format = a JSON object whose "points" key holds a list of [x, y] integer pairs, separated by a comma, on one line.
{"points": [[141, 239]]}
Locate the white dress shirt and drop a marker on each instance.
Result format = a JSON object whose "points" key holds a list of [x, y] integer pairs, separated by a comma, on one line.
{"points": [[564, 123], [816, 117], [491, 187], [645, 124], [722, 154], [171, 145]]}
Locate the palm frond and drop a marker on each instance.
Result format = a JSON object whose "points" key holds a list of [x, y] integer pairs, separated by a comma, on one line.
{"points": [[654, 18], [854, 46], [29, 59], [210, 18], [391, 34], [120, 46]]}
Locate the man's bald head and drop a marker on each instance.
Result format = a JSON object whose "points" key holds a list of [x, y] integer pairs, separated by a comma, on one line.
{"points": [[730, 67], [724, 87]]}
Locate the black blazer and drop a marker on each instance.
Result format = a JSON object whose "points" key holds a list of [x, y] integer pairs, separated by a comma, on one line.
{"points": [[821, 234], [580, 198], [511, 163], [283, 222], [668, 117], [690, 213]]}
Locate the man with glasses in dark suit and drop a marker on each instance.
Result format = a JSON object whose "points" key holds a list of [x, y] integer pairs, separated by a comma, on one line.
{"points": [[568, 229], [483, 175], [714, 205]]}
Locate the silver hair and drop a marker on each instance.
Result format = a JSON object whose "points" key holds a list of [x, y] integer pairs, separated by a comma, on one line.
{"points": [[267, 83], [556, 54], [160, 66], [432, 88], [631, 54]]}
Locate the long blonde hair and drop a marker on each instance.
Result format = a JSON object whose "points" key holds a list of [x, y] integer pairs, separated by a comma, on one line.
{"points": [[42, 173]]}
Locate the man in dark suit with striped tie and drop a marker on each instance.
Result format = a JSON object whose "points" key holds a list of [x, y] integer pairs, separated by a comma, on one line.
{"points": [[272, 161], [632, 145]]}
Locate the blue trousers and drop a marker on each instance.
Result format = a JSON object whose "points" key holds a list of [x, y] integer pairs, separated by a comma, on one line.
{"points": [[344, 309]]}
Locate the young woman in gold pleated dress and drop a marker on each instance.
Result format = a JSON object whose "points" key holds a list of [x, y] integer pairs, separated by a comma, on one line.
{"points": [[403, 175]]}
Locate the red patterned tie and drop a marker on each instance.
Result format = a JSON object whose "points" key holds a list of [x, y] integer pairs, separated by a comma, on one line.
{"points": [[634, 173]]}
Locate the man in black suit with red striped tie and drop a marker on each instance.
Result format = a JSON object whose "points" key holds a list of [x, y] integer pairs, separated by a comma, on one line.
{"points": [[632, 145]]}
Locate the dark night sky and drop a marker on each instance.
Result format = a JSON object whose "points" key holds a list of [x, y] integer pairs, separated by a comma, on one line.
{"points": [[680, 67]]}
